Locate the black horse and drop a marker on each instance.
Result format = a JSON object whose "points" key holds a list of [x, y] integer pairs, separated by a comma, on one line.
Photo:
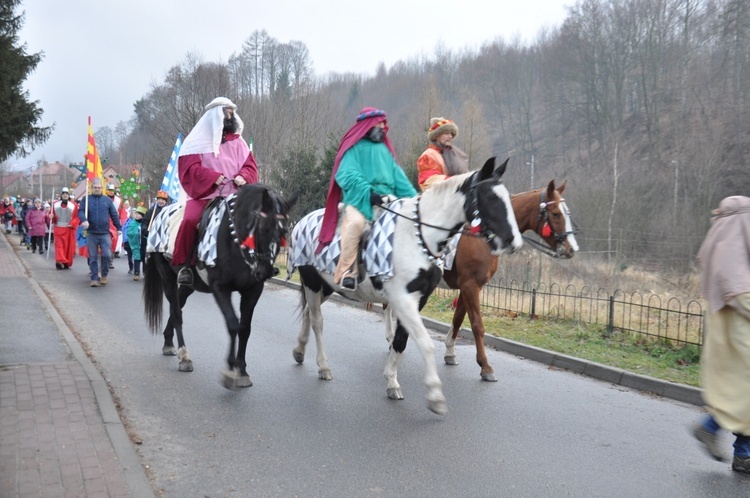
{"points": [[251, 232]]}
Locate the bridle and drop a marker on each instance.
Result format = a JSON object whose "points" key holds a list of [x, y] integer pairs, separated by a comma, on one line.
{"points": [[477, 226], [247, 246], [545, 229]]}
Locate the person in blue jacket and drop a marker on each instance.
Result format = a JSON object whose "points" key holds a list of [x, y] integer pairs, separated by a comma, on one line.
{"points": [[95, 212]]}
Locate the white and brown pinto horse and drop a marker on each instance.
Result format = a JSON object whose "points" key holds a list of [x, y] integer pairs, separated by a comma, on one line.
{"points": [[423, 226]]}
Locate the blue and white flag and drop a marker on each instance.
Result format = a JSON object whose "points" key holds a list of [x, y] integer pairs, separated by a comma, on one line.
{"points": [[171, 182]]}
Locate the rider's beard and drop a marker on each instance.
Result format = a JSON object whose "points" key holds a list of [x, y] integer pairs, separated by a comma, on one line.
{"points": [[376, 134], [456, 161], [230, 125]]}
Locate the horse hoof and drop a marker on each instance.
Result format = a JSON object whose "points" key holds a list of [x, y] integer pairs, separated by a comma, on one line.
{"points": [[186, 366], [233, 381], [325, 374], [450, 360], [489, 377], [243, 381], [169, 351], [439, 407], [298, 357], [395, 393]]}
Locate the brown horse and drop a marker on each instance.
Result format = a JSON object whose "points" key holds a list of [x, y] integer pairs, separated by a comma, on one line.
{"points": [[543, 211]]}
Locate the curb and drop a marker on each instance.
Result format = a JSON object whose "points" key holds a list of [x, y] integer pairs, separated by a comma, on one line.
{"points": [[132, 469], [678, 392]]}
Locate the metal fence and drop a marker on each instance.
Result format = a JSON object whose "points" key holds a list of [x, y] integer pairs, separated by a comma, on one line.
{"points": [[641, 314], [648, 315]]}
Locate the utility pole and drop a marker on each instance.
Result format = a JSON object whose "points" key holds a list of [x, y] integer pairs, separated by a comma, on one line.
{"points": [[676, 186], [532, 171]]}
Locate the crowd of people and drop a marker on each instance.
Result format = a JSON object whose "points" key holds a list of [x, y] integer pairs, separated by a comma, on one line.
{"points": [[94, 224], [216, 161]]}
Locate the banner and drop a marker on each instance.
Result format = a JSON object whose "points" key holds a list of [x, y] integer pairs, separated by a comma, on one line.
{"points": [[171, 182], [93, 163]]}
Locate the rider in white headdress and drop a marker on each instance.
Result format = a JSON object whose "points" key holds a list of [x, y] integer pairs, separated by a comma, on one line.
{"points": [[212, 153]]}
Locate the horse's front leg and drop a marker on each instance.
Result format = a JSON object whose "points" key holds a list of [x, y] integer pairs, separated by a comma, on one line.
{"points": [[230, 377], [407, 312], [450, 338], [247, 307], [470, 298]]}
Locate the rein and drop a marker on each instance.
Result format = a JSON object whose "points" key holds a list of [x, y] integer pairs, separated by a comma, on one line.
{"points": [[544, 215], [472, 232], [543, 248]]}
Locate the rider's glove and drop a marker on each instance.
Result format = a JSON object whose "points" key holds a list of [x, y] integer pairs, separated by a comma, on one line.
{"points": [[375, 199]]}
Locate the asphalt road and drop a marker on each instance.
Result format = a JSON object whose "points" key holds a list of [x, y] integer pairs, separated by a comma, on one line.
{"points": [[539, 431]]}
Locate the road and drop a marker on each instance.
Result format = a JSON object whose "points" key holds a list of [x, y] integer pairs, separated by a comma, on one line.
{"points": [[539, 431]]}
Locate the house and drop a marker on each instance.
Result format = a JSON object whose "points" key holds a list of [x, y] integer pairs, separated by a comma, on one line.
{"points": [[14, 185]]}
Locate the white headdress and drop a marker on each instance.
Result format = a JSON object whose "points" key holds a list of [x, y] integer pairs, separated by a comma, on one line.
{"points": [[205, 136]]}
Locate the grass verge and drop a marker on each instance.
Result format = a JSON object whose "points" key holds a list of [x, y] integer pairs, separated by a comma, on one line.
{"points": [[636, 354], [621, 350]]}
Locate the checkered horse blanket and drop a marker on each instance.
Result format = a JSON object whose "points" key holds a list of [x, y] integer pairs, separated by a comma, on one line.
{"points": [[378, 253], [163, 232]]}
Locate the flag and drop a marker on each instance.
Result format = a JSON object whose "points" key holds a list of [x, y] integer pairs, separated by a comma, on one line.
{"points": [[171, 182], [93, 164]]}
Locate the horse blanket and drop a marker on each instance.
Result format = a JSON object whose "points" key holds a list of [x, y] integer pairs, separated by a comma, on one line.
{"points": [[378, 244], [163, 233]]}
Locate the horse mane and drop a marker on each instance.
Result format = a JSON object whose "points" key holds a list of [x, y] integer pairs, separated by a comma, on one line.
{"points": [[452, 183]]}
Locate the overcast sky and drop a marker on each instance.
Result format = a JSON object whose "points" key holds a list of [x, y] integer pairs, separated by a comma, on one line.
{"points": [[100, 56]]}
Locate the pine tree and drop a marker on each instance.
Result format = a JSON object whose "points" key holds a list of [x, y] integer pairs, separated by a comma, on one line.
{"points": [[18, 133]]}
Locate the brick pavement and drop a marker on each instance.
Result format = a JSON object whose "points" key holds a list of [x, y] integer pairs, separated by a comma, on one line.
{"points": [[60, 434]]}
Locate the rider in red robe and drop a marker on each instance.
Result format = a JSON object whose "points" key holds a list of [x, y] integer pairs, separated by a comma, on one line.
{"points": [[214, 161]]}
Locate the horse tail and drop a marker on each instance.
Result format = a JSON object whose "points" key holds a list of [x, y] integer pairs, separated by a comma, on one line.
{"points": [[153, 293]]}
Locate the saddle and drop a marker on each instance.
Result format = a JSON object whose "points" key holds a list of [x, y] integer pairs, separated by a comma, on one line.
{"points": [[203, 228], [163, 233], [376, 246]]}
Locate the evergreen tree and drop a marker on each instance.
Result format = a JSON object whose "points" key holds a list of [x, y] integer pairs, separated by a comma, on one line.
{"points": [[18, 133]]}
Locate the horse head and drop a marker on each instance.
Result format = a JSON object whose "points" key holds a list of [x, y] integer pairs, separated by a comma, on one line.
{"points": [[557, 227], [261, 223], [489, 210]]}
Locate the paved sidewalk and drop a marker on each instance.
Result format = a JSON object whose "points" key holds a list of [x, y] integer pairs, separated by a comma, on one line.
{"points": [[60, 433]]}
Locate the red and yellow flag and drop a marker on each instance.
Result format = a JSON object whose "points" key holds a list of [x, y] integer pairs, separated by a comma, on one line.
{"points": [[93, 164]]}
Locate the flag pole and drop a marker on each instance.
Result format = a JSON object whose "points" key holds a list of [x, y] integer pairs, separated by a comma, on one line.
{"points": [[51, 210]]}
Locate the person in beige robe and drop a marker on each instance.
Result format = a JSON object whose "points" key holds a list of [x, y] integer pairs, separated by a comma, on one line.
{"points": [[724, 259]]}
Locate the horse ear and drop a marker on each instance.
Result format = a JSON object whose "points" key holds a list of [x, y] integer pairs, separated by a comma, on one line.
{"points": [[500, 170], [562, 187], [551, 190], [292, 200], [267, 204], [486, 171]]}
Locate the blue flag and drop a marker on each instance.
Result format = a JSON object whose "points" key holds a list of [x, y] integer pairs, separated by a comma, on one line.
{"points": [[171, 183]]}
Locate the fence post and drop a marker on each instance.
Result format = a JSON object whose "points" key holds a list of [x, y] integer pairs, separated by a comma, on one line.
{"points": [[533, 303], [611, 318]]}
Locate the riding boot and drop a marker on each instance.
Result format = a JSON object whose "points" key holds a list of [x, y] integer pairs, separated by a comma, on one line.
{"points": [[185, 276], [353, 223]]}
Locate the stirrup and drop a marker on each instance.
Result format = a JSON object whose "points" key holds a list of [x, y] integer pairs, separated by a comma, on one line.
{"points": [[185, 276], [348, 282]]}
